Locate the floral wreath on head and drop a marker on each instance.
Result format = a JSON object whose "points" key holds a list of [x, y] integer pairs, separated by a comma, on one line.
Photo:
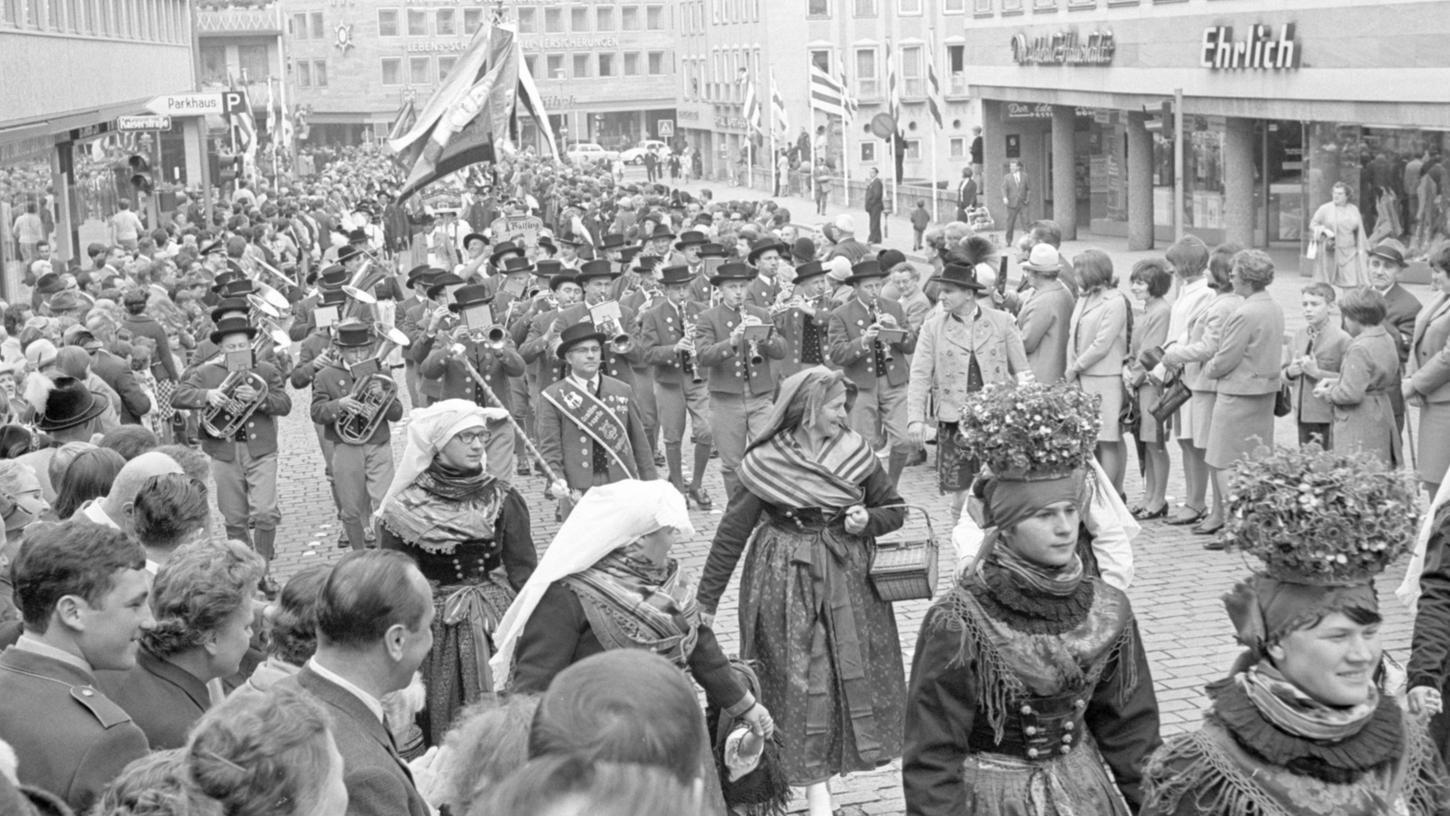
{"points": [[1030, 431]]}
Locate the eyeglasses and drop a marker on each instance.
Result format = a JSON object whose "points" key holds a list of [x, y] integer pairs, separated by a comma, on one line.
{"points": [[471, 437]]}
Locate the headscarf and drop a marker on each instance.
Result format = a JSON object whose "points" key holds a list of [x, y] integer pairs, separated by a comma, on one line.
{"points": [[605, 519], [1264, 609], [799, 386], [429, 431]]}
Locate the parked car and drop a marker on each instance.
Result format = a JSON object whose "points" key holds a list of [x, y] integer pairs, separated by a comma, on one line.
{"points": [[635, 155], [589, 152]]}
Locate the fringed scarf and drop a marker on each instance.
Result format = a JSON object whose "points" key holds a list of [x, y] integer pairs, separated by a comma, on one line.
{"points": [[443, 508], [782, 473], [1284, 705], [634, 606]]}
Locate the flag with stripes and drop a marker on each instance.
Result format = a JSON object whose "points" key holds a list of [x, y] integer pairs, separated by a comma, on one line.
{"points": [[849, 102], [829, 95], [779, 122], [244, 124], [935, 105], [750, 108], [893, 89]]}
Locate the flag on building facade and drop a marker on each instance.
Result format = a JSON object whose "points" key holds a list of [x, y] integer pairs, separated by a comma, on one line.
{"points": [[893, 89], [750, 108], [472, 116], [779, 122], [829, 95], [935, 103]]}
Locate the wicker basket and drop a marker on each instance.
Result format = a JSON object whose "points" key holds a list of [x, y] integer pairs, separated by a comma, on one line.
{"points": [[906, 570]]}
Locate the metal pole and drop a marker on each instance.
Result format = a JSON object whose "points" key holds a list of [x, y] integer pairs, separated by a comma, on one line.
{"points": [[528, 443], [1178, 164]]}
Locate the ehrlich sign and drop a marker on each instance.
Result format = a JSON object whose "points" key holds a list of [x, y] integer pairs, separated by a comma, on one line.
{"points": [[1261, 51]]}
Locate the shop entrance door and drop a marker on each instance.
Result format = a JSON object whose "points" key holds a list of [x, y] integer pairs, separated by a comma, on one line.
{"points": [[1279, 200]]}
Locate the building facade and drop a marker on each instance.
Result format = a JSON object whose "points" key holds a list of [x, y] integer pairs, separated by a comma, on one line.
{"points": [[71, 67], [606, 70], [1278, 105]]}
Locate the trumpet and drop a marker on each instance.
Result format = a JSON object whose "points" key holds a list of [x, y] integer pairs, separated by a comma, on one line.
{"points": [[494, 336], [619, 339], [376, 391], [224, 421]]}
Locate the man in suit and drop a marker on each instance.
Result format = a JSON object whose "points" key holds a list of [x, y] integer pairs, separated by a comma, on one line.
{"points": [[449, 353], [114, 372], [244, 465], [875, 205], [590, 431], [738, 369], [1386, 262], [966, 194], [879, 368], [1016, 195], [1044, 318], [82, 591], [374, 627]]}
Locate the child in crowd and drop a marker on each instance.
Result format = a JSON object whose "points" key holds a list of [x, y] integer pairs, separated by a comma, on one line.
{"points": [[920, 219]]}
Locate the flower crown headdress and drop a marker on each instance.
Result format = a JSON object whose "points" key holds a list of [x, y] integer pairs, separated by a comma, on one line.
{"points": [[1030, 431]]}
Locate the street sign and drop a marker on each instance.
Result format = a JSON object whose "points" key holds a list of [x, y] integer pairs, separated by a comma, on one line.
{"points": [[198, 104], [128, 124], [666, 128]]}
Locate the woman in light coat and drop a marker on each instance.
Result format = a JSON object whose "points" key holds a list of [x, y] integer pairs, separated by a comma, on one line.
{"points": [[1097, 345], [1427, 380], [1364, 418]]}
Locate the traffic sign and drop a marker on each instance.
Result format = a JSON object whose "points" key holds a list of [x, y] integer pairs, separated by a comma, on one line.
{"points": [[666, 128], [128, 124], [198, 104]]}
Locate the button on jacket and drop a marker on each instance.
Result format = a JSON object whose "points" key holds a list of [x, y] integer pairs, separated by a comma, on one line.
{"points": [[660, 328], [857, 359], [725, 364], [943, 356], [260, 432]]}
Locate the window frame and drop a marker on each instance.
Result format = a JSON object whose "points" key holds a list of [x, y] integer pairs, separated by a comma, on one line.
{"points": [[439, 15], [876, 91], [419, 14], [397, 64], [427, 73], [397, 22]]}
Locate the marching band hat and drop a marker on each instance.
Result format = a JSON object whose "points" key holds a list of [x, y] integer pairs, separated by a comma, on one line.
{"points": [[865, 271], [569, 240], [576, 334], [548, 267], [808, 270], [417, 272], [764, 245], [596, 269], [628, 253], [439, 283], [232, 305], [691, 238], [225, 277], [960, 275], [661, 231], [612, 241], [352, 333], [347, 253], [236, 288], [560, 278], [235, 324], [647, 263], [732, 270], [359, 236], [803, 250], [474, 236], [504, 249], [470, 295], [517, 264], [676, 275], [332, 277]]}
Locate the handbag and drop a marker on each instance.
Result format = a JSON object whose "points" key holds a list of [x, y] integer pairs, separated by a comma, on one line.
{"points": [[1283, 401], [1174, 395]]}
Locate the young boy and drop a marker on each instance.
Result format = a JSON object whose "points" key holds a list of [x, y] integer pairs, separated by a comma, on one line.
{"points": [[1315, 353], [920, 218]]}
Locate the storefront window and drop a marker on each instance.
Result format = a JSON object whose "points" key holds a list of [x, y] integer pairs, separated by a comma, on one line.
{"points": [[1395, 177]]}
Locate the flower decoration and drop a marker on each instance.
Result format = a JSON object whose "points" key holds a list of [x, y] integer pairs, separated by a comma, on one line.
{"points": [[1030, 430], [1320, 518]]}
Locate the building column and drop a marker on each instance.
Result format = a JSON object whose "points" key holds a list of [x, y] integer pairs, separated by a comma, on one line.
{"points": [[1238, 181], [1140, 182], [994, 159], [1064, 188]]}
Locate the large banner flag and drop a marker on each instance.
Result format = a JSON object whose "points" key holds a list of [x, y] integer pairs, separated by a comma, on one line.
{"points": [[935, 104], [750, 108], [828, 94], [893, 90], [472, 117], [779, 122]]}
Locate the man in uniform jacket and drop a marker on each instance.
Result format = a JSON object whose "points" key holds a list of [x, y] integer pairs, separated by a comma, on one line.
{"points": [[304, 320], [412, 310], [596, 277], [448, 355], [1045, 316], [575, 455], [875, 205], [668, 339], [374, 627], [765, 255], [804, 322], [71, 739], [433, 317], [741, 388], [537, 349], [244, 466], [1386, 262], [879, 368]]}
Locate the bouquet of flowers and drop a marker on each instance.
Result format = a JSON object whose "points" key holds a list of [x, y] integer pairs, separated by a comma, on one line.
{"points": [[1030, 430], [1320, 518]]}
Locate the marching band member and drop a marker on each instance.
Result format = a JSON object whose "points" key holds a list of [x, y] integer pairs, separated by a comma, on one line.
{"points": [[596, 278], [802, 321], [244, 465], [413, 309], [879, 369], [362, 470], [645, 294], [765, 255], [330, 279], [449, 353], [590, 432], [433, 318], [667, 332], [543, 332], [688, 254], [738, 369], [474, 246]]}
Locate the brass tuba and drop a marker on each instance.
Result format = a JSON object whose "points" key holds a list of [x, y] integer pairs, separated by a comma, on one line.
{"points": [[225, 421], [374, 389]]}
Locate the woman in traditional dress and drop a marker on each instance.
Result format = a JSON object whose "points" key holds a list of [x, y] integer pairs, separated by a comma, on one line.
{"points": [[471, 538], [1029, 678], [1369, 374], [1338, 229], [1302, 725], [608, 582], [824, 644]]}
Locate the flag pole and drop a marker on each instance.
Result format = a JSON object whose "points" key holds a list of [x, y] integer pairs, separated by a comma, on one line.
{"points": [[811, 162], [935, 204], [845, 162]]}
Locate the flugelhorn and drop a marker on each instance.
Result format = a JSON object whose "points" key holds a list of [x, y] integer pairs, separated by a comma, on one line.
{"points": [[224, 421], [376, 390], [265, 315]]}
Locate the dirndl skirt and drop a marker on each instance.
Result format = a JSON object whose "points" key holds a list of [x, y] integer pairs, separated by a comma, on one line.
{"points": [[1432, 452], [456, 669], [1241, 423], [955, 470], [1110, 389], [1075, 785]]}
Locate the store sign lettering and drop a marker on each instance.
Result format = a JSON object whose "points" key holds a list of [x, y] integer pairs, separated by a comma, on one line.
{"points": [[1064, 48], [1042, 110], [687, 115], [566, 43], [1261, 51]]}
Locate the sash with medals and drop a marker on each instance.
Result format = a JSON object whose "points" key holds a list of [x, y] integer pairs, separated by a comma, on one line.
{"points": [[595, 419]]}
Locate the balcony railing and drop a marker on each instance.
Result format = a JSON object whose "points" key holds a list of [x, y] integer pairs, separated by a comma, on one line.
{"points": [[239, 20]]}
